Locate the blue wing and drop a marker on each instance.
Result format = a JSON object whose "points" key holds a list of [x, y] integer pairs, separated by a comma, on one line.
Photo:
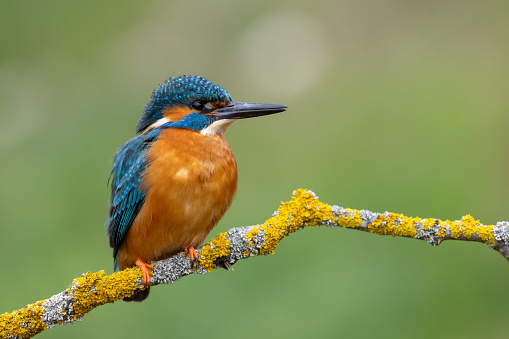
{"points": [[127, 196]]}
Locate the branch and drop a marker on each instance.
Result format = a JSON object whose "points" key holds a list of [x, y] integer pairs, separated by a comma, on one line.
{"points": [[94, 289]]}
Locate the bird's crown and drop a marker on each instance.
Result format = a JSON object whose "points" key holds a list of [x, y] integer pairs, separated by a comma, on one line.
{"points": [[183, 91]]}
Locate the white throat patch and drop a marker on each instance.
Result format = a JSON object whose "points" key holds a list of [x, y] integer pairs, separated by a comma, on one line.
{"points": [[217, 127]]}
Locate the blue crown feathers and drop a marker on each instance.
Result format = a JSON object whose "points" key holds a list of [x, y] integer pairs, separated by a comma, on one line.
{"points": [[180, 91]]}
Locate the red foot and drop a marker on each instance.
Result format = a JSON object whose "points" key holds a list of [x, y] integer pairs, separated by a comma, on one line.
{"points": [[192, 253], [145, 270]]}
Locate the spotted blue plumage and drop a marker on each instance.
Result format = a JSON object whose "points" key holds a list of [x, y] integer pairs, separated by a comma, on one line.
{"points": [[180, 91]]}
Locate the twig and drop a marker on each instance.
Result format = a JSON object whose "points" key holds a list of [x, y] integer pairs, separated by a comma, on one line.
{"points": [[94, 289]]}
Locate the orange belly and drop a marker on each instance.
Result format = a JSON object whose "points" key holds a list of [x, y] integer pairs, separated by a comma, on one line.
{"points": [[189, 185]]}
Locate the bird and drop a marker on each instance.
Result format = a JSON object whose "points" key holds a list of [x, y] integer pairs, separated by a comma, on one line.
{"points": [[173, 182]]}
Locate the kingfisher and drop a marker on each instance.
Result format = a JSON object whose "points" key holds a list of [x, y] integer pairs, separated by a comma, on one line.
{"points": [[173, 182]]}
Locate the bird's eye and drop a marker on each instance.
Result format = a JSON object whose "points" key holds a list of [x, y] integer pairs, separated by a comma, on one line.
{"points": [[198, 105]]}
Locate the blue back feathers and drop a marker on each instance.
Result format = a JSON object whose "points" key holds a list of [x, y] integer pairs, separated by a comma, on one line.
{"points": [[180, 91], [127, 196]]}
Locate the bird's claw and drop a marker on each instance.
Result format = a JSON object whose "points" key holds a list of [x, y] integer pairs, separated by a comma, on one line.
{"points": [[146, 269], [193, 256]]}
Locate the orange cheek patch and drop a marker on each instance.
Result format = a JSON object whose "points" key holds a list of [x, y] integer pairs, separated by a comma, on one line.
{"points": [[176, 113]]}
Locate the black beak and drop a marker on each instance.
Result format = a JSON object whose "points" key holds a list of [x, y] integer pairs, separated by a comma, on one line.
{"points": [[242, 110]]}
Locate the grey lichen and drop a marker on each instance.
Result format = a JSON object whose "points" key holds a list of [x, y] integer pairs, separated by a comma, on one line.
{"points": [[430, 234], [368, 218], [237, 237], [501, 232], [172, 269], [58, 309]]}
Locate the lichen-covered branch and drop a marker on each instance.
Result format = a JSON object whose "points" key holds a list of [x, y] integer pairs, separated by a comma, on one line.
{"points": [[95, 289]]}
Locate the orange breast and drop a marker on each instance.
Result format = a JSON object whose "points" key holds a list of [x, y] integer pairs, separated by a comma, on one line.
{"points": [[190, 183]]}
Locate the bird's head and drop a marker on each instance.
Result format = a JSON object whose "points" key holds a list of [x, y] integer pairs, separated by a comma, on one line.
{"points": [[195, 103]]}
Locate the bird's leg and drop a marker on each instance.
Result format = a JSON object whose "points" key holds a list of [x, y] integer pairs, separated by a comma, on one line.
{"points": [[192, 253], [145, 270]]}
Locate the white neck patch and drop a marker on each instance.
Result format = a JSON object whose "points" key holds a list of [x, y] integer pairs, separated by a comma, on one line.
{"points": [[156, 124], [217, 127]]}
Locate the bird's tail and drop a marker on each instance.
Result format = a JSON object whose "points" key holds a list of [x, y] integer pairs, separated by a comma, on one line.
{"points": [[139, 295]]}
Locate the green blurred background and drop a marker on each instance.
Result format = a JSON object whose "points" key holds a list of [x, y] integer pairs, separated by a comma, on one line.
{"points": [[394, 105]]}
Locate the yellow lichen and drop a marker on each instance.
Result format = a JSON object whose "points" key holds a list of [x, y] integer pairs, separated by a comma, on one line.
{"points": [[23, 323], [466, 227], [442, 228], [95, 289], [394, 224], [303, 210], [351, 220], [406, 227], [427, 224], [380, 226], [469, 226], [486, 234], [273, 230], [216, 248]]}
